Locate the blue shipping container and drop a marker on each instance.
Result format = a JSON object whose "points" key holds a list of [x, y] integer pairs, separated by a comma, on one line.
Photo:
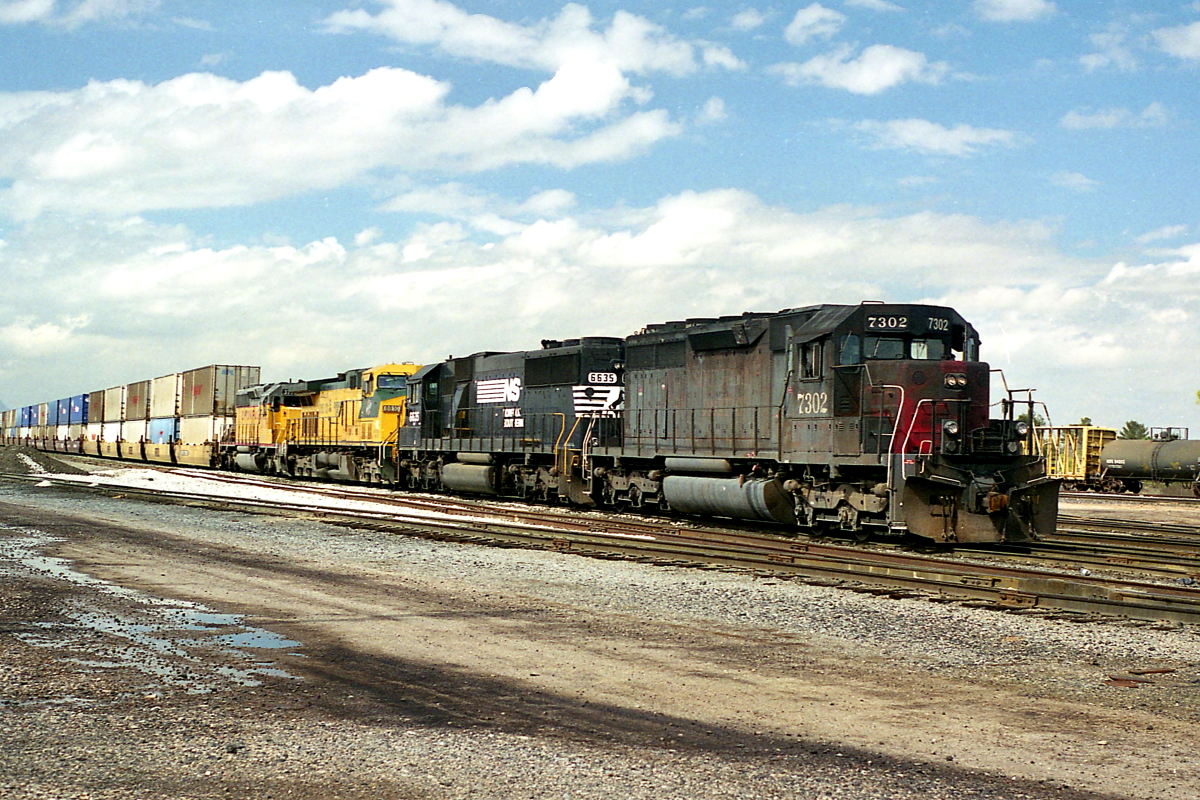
{"points": [[58, 412], [163, 430], [28, 413], [79, 409]]}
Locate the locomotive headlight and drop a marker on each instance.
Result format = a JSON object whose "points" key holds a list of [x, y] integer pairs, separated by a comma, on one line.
{"points": [[1013, 447], [956, 381], [1022, 429], [950, 427]]}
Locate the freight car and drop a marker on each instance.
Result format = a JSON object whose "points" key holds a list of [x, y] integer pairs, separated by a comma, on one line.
{"points": [[1088, 458], [1169, 458], [861, 418]]}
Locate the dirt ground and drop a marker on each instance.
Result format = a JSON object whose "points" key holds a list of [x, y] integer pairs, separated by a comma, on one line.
{"points": [[388, 653]]}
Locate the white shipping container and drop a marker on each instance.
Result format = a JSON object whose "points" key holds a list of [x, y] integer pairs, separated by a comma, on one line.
{"points": [[111, 431], [95, 431], [62, 432], [77, 431], [198, 430], [134, 430], [114, 406], [164, 395], [25, 432]]}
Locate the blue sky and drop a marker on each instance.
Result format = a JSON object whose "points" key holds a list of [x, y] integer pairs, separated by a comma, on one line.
{"points": [[314, 186]]}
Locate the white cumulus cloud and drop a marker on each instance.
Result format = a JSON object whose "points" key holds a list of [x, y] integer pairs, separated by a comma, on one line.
{"points": [[876, 69], [1152, 116], [201, 141], [1075, 181], [138, 300], [71, 14], [631, 43], [1013, 10], [929, 137], [811, 22], [747, 20], [1182, 41]]}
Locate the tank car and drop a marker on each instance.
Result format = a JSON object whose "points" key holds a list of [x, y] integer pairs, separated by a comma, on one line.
{"points": [[1167, 459]]}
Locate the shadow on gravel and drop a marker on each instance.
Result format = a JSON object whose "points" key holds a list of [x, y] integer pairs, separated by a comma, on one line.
{"points": [[371, 690], [385, 692]]}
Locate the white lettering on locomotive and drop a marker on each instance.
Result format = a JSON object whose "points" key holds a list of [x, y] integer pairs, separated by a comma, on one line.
{"points": [[812, 403], [498, 390], [891, 323]]}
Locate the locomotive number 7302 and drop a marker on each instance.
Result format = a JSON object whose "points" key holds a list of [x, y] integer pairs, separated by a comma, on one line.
{"points": [[893, 323], [812, 403]]}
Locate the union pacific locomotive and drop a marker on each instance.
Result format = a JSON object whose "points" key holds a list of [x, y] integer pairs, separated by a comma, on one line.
{"points": [[865, 418]]}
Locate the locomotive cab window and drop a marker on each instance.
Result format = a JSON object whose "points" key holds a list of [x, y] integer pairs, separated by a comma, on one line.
{"points": [[812, 360], [883, 347], [391, 381], [928, 350], [850, 351]]}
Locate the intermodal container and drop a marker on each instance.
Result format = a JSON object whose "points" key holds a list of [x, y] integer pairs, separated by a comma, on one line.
{"points": [[114, 405], [163, 430], [134, 430], [96, 406], [137, 403], [78, 410], [199, 430], [211, 390], [43, 414], [164, 396], [95, 431], [58, 411], [27, 413], [111, 431]]}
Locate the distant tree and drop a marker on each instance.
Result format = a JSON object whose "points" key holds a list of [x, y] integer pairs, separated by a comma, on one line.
{"points": [[1038, 420], [1085, 421], [1134, 430], [1198, 397]]}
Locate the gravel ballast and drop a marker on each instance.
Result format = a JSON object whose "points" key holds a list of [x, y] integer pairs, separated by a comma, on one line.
{"points": [[163, 651]]}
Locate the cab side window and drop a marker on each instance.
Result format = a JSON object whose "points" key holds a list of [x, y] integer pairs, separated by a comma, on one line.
{"points": [[850, 351], [812, 360]]}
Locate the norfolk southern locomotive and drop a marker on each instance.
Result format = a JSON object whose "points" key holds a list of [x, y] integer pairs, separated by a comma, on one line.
{"points": [[865, 418]]}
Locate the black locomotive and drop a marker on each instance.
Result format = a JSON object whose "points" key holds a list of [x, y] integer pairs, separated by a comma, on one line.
{"points": [[861, 418]]}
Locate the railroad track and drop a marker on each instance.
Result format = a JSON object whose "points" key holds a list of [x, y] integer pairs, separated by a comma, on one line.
{"points": [[886, 571], [1130, 498]]}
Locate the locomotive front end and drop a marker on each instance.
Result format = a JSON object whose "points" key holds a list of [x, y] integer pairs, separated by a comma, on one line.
{"points": [[959, 475]]}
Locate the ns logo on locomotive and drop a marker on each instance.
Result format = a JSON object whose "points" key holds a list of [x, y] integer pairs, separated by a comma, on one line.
{"points": [[864, 418]]}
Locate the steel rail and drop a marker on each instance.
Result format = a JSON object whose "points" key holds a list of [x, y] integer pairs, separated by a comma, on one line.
{"points": [[935, 578]]}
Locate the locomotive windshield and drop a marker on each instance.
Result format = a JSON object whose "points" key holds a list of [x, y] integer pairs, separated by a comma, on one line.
{"points": [[392, 381], [855, 349]]}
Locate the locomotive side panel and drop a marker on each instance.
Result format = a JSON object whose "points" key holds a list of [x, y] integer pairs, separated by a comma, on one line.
{"points": [[701, 388]]}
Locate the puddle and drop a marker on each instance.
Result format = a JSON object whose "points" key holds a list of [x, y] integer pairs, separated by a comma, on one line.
{"points": [[179, 643], [257, 639]]}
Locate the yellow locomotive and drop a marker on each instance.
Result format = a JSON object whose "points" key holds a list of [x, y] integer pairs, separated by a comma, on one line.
{"points": [[334, 428]]}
